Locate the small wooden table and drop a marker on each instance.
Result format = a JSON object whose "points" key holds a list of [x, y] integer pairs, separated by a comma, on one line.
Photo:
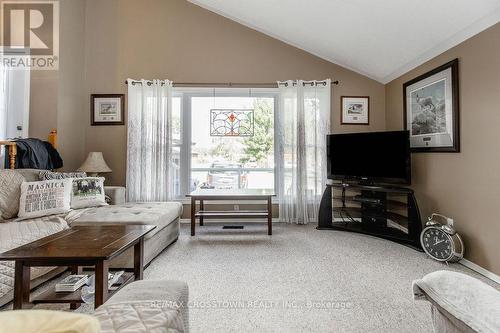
{"points": [[76, 247], [243, 194]]}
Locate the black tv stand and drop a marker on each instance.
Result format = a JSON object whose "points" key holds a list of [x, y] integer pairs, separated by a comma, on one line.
{"points": [[384, 211]]}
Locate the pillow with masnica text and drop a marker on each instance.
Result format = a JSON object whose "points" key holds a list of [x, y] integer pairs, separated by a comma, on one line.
{"points": [[44, 198], [88, 192]]}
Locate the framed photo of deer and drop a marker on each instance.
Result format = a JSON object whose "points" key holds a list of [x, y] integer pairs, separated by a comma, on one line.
{"points": [[431, 110]]}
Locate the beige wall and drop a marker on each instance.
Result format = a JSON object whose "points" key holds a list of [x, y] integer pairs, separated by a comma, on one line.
{"points": [[56, 97], [177, 40], [464, 185], [44, 89], [71, 113]]}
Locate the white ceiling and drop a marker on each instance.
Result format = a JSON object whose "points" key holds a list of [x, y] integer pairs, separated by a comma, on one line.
{"points": [[381, 39]]}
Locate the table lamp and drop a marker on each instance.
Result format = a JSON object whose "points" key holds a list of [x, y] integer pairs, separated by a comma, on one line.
{"points": [[94, 164]]}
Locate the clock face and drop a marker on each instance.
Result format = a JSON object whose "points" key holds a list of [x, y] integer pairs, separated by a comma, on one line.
{"points": [[437, 243]]}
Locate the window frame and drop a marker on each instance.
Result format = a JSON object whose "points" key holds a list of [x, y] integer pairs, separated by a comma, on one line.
{"points": [[186, 95]]}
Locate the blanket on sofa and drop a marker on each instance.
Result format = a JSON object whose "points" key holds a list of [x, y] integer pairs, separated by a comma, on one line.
{"points": [[14, 234], [467, 299]]}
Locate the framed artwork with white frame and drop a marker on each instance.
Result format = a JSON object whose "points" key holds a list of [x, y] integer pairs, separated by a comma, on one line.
{"points": [[431, 110], [107, 109], [355, 110]]}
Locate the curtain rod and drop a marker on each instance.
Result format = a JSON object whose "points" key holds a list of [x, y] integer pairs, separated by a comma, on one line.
{"points": [[225, 84]]}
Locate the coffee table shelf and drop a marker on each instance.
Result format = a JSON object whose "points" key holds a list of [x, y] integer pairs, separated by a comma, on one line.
{"points": [[77, 247], [51, 296], [231, 214]]}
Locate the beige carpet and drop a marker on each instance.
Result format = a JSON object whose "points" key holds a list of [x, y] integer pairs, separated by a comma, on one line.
{"points": [[298, 280]]}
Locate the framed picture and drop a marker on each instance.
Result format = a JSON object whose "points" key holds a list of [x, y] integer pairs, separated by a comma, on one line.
{"points": [[107, 109], [355, 110], [431, 111]]}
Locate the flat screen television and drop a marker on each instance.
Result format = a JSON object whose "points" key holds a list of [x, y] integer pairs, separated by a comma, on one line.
{"points": [[377, 157]]}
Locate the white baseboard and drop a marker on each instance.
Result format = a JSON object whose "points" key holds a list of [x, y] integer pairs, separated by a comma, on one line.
{"points": [[476, 268]]}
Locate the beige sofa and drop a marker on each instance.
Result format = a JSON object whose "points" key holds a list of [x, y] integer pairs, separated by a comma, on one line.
{"points": [[151, 306], [146, 306], [13, 233]]}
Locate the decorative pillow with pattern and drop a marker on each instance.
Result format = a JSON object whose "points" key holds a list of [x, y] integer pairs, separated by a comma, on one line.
{"points": [[44, 198], [88, 192], [48, 175], [10, 190]]}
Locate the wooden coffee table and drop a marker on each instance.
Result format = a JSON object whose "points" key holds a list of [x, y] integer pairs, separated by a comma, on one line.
{"points": [[240, 194], [76, 247]]}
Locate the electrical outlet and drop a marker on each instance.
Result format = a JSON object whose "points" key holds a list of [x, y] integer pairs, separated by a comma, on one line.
{"points": [[236, 207]]}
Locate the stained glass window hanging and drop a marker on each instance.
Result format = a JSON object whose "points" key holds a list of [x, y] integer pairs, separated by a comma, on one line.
{"points": [[231, 122]]}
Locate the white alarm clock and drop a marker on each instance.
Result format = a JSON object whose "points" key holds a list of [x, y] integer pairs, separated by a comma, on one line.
{"points": [[440, 241]]}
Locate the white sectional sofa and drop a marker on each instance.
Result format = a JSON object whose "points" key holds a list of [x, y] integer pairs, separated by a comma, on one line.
{"points": [[13, 233]]}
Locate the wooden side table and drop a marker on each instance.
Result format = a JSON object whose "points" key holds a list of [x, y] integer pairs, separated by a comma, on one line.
{"points": [[202, 195]]}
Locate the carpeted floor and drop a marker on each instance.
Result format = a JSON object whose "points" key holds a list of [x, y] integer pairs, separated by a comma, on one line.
{"points": [[298, 280]]}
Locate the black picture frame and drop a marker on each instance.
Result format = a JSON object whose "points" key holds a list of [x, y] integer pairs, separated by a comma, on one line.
{"points": [[454, 147], [104, 122]]}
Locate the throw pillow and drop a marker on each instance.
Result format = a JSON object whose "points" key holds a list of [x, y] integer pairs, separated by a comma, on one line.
{"points": [[48, 175], [88, 192], [43, 198], [10, 190]]}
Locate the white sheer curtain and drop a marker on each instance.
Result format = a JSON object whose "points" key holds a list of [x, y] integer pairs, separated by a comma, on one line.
{"points": [[3, 112], [303, 122], [149, 141], [3, 103]]}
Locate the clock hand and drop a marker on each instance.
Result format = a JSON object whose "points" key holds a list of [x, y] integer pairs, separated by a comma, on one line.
{"points": [[442, 240]]}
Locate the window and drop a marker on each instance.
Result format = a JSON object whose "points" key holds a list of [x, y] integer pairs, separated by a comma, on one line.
{"points": [[14, 104], [224, 139]]}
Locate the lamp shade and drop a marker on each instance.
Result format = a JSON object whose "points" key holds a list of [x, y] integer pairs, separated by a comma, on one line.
{"points": [[94, 163]]}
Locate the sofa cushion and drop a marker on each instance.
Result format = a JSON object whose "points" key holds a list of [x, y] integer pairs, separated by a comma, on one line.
{"points": [[14, 234], [48, 175], [45, 197], [88, 192], [160, 214], [47, 321], [10, 190], [139, 317], [30, 175]]}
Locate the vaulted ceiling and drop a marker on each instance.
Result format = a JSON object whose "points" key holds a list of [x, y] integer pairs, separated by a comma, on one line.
{"points": [[381, 39]]}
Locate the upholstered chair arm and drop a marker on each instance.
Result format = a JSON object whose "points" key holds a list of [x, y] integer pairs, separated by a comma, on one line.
{"points": [[116, 194]]}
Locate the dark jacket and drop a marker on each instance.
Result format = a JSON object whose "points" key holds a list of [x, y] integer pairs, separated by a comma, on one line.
{"points": [[35, 154]]}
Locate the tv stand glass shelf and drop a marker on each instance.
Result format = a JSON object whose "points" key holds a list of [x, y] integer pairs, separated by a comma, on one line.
{"points": [[388, 212]]}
